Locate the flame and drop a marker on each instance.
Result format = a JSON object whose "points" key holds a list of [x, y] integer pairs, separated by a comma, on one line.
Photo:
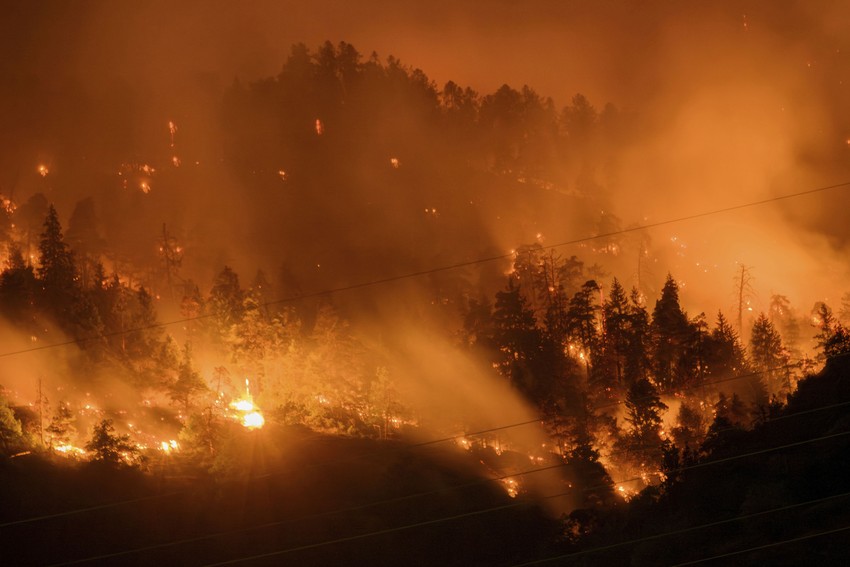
{"points": [[243, 405], [169, 446], [511, 487], [251, 417], [253, 420], [70, 450], [42, 170]]}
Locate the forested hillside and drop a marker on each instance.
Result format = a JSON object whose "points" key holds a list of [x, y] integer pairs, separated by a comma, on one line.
{"points": [[394, 323]]}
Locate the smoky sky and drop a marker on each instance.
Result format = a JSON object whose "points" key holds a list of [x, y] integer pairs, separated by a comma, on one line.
{"points": [[736, 100]]}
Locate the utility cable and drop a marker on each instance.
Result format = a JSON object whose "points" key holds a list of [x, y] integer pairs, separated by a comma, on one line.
{"points": [[414, 445], [488, 510], [449, 518], [380, 532], [765, 546], [449, 267], [684, 531]]}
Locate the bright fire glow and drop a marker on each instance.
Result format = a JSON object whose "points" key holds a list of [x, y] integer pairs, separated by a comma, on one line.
{"points": [[243, 405], [511, 487], [251, 416], [70, 450], [42, 170], [253, 420]]}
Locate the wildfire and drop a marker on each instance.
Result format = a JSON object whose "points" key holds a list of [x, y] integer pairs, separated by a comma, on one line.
{"points": [[511, 487], [169, 446], [251, 418], [71, 451], [8, 206]]}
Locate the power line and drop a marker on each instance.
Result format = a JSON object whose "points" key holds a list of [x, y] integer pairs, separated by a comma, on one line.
{"points": [[266, 525], [379, 532], [493, 509], [684, 531], [426, 444], [419, 273], [459, 516], [759, 547], [89, 509], [313, 437]]}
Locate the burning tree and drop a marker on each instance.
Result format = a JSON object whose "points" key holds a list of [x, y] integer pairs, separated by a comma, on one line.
{"points": [[108, 447], [769, 357], [669, 333], [189, 383], [11, 433], [644, 407], [61, 429]]}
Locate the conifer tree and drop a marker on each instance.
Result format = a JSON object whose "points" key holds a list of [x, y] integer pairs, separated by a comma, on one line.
{"points": [[11, 432], [226, 301], [109, 447], [643, 414], [61, 289], [768, 357], [582, 323], [189, 382], [724, 355], [517, 337], [669, 334], [57, 272], [61, 429], [637, 358], [18, 287], [615, 332]]}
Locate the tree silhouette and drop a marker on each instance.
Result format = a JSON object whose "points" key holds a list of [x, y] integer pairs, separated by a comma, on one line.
{"points": [[11, 433], [108, 447], [670, 332], [769, 357]]}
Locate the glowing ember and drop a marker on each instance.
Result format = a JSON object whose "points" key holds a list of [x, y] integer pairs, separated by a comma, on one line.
{"points": [[42, 170], [253, 420], [70, 450], [320, 128], [511, 487], [243, 405], [394, 162], [251, 416]]}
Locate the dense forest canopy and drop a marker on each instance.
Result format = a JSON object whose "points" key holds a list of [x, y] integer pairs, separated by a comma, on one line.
{"points": [[476, 290]]}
